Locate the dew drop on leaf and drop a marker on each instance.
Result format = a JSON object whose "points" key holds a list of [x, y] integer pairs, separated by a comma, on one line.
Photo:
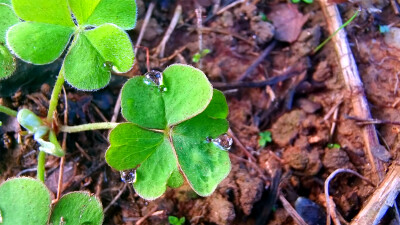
{"points": [[1, 217], [108, 65], [224, 142], [128, 176], [62, 221], [155, 77]]}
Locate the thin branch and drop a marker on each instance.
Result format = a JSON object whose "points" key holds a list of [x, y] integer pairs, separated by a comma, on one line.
{"points": [[383, 197], [271, 81], [326, 189], [292, 212], [145, 23], [261, 58], [115, 199], [174, 21]]}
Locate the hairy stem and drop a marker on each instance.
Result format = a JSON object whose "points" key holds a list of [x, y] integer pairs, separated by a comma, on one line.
{"points": [[87, 127], [52, 107], [55, 94], [8, 111], [40, 166]]}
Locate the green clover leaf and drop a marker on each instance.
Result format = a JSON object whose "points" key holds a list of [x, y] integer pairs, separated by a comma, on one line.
{"points": [[99, 43], [169, 137], [7, 19], [28, 201]]}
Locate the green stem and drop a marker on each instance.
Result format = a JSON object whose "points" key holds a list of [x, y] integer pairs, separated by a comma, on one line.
{"points": [[40, 166], [55, 95], [89, 126], [8, 111], [52, 107]]}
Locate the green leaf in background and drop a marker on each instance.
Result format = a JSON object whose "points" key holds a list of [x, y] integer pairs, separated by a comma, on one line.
{"points": [[8, 2], [188, 92], [89, 63], [7, 63], [7, 19], [44, 11], [24, 201], [78, 208], [48, 27], [114, 45], [121, 13], [38, 43]]}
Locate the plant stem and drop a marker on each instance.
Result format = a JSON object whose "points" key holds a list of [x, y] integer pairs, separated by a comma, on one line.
{"points": [[52, 107], [8, 111], [55, 94], [40, 166], [87, 127]]}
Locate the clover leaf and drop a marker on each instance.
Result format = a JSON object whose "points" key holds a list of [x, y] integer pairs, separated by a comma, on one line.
{"points": [[28, 201], [174, 121], [99, 43], [7, 19]]}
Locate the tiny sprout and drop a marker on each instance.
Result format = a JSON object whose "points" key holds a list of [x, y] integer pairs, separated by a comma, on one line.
{"points": [[175, 221], [305, 1], [334, 145], [196, 58], [265, 138]]}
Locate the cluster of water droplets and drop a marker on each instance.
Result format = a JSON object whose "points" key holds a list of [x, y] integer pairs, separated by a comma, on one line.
{"points": [[155, 77], [128, 176], [223, 142]]}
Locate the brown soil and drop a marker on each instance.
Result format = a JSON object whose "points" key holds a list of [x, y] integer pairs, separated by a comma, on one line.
{"points": [[298, 160]]}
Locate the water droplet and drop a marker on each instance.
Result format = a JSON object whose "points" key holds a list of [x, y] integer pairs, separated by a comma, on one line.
{"points": [[1, 217], [108, 65], [128, 176], [62, 221], [162, 88], [224, 142], [155, 77]]}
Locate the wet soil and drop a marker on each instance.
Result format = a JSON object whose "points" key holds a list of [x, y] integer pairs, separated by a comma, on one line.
{"points": [[298, 111]]}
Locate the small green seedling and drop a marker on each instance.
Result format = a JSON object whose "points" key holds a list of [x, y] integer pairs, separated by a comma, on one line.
{"points": [[175, 220], [28, 201], [196, 58], [265, 138], [176, 130], [305, 1], [333, 145], [99, 43]]}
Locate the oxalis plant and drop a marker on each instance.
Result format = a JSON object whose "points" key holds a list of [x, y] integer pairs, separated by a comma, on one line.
{"points": [[176, 127]]}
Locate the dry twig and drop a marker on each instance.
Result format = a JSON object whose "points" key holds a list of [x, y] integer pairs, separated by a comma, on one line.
{"points": [[375, 152], [174, 21], [330, 211], [116, 197], [292, 212], [380, 201]]}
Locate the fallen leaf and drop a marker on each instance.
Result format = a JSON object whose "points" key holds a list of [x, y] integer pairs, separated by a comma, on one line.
{"points": [[288, 22]]}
